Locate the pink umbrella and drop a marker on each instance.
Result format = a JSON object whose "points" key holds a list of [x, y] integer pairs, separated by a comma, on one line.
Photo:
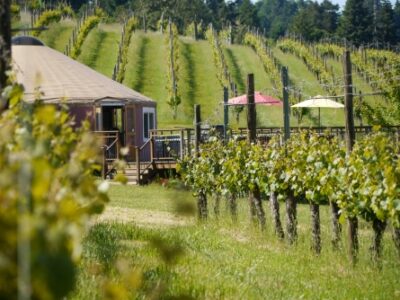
{"points": [[258, 99]]}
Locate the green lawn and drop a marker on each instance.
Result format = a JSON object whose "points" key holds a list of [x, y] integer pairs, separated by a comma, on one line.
{"points": [[100, 49], [222, 260]]}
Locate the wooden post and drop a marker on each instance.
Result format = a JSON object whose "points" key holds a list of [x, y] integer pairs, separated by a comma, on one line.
{"points": [[256, 209], [197, 127], [151, 147], [5, 47], [350, 137], [182, 144], [117, 146], [226, 113], [286, 106], [104, 168], [251, 110], [348, 102], [189, 141], [137, 153]]}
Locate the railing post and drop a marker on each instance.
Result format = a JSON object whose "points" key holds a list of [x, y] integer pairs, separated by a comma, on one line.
{"points": [[103, 169], [181, 146], [117, 138], [152, 148], [137, 152], [189, 141]]}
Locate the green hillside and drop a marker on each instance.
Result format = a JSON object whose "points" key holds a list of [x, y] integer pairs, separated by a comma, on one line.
{"points": [[100, 49], [58, 34], [146, 72]]}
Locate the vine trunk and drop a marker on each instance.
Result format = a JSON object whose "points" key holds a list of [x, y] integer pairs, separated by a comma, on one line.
{"points": [[291, 218], [379, 229], [353, 238], [315, 228], [202, 205], [336, 227], [274, 204]]}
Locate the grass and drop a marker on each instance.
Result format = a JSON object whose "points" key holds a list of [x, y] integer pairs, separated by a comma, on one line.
{"points": [[242, 60], [200, 81], [222, 260], [100, 49], [58, 34], [147, 72]]}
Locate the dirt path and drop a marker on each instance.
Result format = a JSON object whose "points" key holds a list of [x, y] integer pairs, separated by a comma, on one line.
{"points": [[143, 217]]}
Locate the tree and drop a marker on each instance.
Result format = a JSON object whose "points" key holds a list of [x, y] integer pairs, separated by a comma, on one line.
{"points": [[396, 18], [306, 22], [314, 21], [276, 15], [247, 14], [385, 24], [5, 47], [219, 12], [329, 16], [356, 23]]}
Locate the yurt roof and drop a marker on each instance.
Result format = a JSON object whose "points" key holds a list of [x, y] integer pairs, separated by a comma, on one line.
{"points": [[57, 77]]}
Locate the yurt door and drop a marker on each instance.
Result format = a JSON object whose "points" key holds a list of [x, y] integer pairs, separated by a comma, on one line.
{"points": [[130, 119]]}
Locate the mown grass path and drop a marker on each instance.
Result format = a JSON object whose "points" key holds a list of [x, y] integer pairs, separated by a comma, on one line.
{"points": [[100, 49], [200, 81]]}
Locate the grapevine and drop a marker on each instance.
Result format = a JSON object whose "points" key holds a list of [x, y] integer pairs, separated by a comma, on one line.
{"points": [[172, 41], [129, 27], [84, 30]]}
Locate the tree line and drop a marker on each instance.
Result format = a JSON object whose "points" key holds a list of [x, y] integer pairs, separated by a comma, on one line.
{"points": [[374, 22]]}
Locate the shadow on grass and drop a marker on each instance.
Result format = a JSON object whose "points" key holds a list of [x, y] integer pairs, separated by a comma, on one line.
{"points": [[94, 54], [55, 34], [187, 52], [138, 84], [236, 72]]}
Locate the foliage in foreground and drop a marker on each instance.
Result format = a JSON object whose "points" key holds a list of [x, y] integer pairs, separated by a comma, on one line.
{"points": [[47, 194]]}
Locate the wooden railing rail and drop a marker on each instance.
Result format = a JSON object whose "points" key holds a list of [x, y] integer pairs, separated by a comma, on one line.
{"points": [[110, 141]]}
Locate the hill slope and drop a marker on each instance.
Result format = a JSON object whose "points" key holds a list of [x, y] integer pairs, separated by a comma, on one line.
{"points": [[146, 72]]}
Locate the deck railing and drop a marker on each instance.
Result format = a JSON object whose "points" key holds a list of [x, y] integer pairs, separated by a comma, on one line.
{"points": [[169, 145], [110, 146]]}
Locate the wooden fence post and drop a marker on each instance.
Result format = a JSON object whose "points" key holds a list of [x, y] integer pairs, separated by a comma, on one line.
{"points": [[189, 141], [182, 144], [226, 113], [256, 209], [350, 138], [104, 163], [137, 153], [348, 102], [251, 110], [286, 107]]}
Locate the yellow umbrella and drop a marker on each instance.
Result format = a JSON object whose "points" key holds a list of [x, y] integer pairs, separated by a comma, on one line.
{"points": [[319, 101]]}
